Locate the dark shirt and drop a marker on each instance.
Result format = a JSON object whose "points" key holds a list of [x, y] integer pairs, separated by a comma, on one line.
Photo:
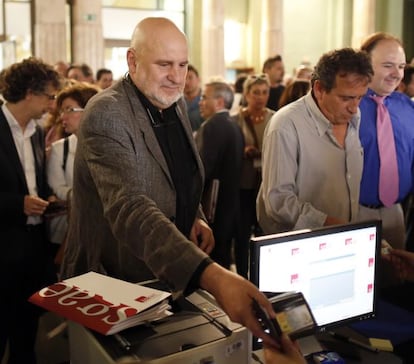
{"points": [[274, 97], [183, 169], [180, 160]]}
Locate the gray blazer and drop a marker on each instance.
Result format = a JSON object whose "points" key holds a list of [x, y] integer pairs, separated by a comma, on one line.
{"points": [[124, 199]]}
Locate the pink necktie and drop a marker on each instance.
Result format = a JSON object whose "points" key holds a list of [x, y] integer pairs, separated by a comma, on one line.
{"points": [[388, 176]]}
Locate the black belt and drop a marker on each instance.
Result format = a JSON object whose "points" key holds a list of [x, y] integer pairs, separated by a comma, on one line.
{"points": [[375, 207], [32, 228]]}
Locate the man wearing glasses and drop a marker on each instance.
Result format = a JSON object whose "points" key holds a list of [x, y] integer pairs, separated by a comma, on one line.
{"points": [[29, 90]]}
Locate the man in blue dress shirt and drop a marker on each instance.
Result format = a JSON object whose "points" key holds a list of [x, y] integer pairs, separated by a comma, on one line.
{"points": [[388, 61]]}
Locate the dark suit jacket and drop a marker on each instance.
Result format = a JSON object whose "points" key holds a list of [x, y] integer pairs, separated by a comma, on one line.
{"points": [[124, 200], [221, 143], [21, 260]]}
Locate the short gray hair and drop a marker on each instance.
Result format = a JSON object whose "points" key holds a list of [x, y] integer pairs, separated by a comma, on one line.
{"points": [[222, 89]]}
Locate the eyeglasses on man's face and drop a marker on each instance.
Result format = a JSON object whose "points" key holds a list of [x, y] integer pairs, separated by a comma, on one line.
{"points": [[51, 97], [70, 110]]}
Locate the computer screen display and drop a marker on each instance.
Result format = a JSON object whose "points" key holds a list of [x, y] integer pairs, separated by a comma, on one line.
{"points": [[334, 267]]}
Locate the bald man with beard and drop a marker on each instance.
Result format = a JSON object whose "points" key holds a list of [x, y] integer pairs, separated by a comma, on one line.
{"points": [[138, 179]]}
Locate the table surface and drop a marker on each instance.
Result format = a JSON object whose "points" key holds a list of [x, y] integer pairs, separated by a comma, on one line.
{"points": [[351, 353]]}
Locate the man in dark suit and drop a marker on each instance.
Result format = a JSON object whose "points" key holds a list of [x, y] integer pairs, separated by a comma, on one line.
{"points": [[221, 143], [138, 179], [29, 90]]}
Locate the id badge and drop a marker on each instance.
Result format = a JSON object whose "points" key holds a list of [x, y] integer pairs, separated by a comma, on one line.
{"points": [[257, 163]]}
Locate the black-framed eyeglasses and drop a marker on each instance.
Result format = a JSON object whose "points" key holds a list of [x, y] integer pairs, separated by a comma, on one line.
{"points": [[70, 110], [49, 96]]}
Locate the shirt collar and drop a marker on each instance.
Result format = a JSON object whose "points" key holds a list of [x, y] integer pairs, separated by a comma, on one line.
{"points": [[321, 122], [147, 103], [14, 125], [370, 92]]}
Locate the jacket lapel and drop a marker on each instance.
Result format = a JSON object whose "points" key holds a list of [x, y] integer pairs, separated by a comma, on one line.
{"points": [[38, 153], [7, 144], [141, 116]]}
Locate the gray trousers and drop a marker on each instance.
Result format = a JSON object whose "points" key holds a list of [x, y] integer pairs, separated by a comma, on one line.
{"points": [[393, 231], [393, 225]]}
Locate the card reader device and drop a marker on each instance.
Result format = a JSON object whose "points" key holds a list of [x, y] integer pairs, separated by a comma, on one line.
{"points": [[293, 316]]}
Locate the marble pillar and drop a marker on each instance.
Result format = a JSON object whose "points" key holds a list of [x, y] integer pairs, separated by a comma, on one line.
{"points": [[212, 40]]}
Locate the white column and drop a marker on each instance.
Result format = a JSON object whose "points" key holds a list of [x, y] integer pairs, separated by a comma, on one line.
{"points": [[272, 28], [87, 35], [363, 20], [212, 39], [50, 31]]}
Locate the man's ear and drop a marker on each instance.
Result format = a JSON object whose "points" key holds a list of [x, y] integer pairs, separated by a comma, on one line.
{"points": [[317, 89], [29, 94], [131, 60], [218, 102]]}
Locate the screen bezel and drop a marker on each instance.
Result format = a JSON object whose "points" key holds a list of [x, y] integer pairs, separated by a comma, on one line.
{"points": [[257, 243]]}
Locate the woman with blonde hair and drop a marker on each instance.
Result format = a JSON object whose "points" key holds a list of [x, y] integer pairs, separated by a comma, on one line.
{"points": [[252, 120]]}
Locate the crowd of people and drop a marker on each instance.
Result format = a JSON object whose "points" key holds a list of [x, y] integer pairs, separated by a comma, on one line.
{"points": [[129, 162], [42, 106]]}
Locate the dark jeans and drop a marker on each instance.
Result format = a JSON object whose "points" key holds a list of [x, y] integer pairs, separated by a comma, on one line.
{"points": [[28, 268]]}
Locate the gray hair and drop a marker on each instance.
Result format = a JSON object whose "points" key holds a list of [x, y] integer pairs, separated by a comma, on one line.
{"points": [[222, 89]]}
